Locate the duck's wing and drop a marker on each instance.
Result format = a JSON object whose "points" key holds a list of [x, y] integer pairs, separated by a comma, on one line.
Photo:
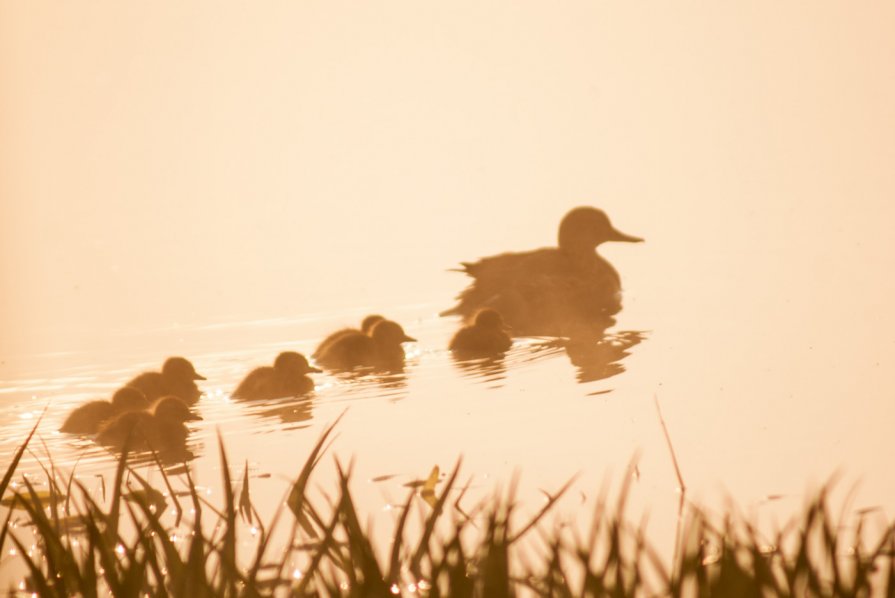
{"points": [[498, 276]]}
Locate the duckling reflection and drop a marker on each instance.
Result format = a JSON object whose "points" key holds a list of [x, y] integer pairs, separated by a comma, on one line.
{"points": [[485, 337], [287, 378], [381, 350], [491, 370], [87, 418], [289, 410], [161, 427], [177, 378], [366, 326], [568, 290]]}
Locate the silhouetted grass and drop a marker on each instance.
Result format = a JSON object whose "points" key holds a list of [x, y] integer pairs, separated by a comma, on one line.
{"points": [[123, 547]]}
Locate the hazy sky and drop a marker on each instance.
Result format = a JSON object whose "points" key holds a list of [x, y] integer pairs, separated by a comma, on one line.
{"points": [[189, 161]]}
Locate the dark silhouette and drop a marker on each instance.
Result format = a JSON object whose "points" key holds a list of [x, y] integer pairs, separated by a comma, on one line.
{"points": [[160, 428], [560, 291], [380, 350], [287, 378], [87, 418], [177, 378], [486, 337], [365, 326]]}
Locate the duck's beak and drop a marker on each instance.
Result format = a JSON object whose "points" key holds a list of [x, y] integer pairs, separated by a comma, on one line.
{"points": [[313, 370], [197, 376], [408, 339], [615, 235], [194, 418]]}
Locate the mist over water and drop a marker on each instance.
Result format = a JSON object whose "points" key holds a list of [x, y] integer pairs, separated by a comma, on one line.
{"points": [[225, 183]]}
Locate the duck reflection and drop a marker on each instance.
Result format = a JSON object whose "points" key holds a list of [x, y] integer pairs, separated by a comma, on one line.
{"points": [[567, 291], [594, 359]]}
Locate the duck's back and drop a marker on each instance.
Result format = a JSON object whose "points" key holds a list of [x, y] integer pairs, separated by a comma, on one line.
{"points": [[155, 385], [87, 418], [333, 338], [136, 425], [268, 383], [145, 431], [151, 384], [350, 350], [474, 341], [545, 291]]}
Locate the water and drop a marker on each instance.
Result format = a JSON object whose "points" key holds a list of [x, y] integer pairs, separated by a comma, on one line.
{"points": [[226, 201]]}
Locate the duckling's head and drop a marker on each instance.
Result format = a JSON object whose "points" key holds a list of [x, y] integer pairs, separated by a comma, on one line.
{"points": [[293, 363], [367, 324], [179, 368], [173, 409], [388, 333], [129, 398], [489, 319], [584, 228]]}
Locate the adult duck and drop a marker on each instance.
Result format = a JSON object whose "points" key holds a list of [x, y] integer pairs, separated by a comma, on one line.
{"points": [[569, 290], [178, 377], [287, 378]]}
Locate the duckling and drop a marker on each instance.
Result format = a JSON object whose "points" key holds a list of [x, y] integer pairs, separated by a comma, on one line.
{"points": [[485, 337], [87, 418], [160, 428], [287, 378], [176, 378], [567, 290], [365, 326], [382, 348]]}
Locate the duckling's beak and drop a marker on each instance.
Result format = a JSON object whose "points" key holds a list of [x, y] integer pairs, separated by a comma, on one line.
{"points": [[197, 376], [615, 235], [193, 417], [408, 339], [313, 370]]}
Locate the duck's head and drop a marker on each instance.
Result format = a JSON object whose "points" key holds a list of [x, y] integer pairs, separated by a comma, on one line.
{"points": [[178, 368], [173, 409], [367, 324], [584, 228], [489, 319], [129, 398], [386, 333], [293, 363]]}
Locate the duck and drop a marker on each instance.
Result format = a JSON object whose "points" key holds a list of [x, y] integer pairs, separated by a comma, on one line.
{"points": [[177, 378], [287, 378], [365, 326], [87, 418], [568, 290], [380, 349], [485, 337], [160, 428]]}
